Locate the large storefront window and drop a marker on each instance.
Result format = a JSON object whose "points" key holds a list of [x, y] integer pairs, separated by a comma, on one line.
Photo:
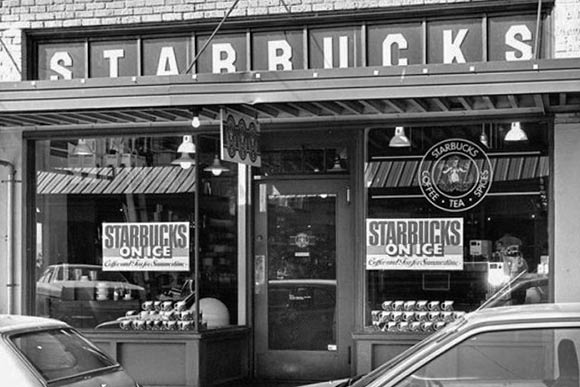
{"points": [[115, 226], [452, 218]]}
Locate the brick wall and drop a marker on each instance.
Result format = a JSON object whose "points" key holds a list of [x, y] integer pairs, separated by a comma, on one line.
{"points": [[18, 15], [567, 29]]}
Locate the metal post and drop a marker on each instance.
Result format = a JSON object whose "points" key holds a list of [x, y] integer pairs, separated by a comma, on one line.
{"points": [[9, 236], [196, 189]]}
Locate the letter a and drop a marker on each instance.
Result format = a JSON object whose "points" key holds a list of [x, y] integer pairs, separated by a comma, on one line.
{"points": [[167, 64], [452, 48]]}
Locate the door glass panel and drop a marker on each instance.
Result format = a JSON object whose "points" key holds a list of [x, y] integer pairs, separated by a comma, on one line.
{"points": [[302, 272]]}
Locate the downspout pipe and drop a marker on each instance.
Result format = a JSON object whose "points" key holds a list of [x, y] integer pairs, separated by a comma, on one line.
{"points": [[9, 235]]}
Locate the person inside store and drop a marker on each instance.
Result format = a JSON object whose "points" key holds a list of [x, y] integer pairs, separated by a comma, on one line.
{"points": [[509, 249]]}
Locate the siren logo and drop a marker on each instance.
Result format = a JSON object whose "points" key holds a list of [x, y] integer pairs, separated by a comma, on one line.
{"points": [[455, 175]]}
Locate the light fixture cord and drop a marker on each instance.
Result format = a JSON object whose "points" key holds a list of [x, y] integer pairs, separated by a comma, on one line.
{"points": [[538, 20]]}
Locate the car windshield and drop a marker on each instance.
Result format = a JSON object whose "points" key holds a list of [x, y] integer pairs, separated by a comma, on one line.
{"points": [[61, 354]]}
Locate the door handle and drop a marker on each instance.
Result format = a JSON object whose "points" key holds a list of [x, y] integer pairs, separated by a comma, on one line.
{"points": [[347, 194], [259, 272]]}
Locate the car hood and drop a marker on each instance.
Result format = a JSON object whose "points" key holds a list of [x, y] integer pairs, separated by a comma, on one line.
{"points": [[331, 383], [117, 377]]}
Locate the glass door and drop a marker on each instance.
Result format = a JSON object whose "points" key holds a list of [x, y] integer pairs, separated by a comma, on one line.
{"points": [[304, 283]]}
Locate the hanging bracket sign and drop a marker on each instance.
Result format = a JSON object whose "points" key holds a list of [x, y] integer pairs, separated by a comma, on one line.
{"points": [[240, 139]]}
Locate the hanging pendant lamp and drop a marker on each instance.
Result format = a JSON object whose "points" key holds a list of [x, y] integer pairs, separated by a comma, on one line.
{"points": [[337, 167], [185, 148], [399, 140], [483, 137], [516, 133], [216, 167], [82, 148]]}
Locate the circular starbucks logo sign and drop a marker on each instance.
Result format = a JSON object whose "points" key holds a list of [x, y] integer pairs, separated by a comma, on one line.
{"points": [[302, 240], [455, 175]]}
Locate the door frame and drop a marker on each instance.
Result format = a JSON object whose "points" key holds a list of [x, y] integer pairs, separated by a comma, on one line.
{"points": [[306, 365]]}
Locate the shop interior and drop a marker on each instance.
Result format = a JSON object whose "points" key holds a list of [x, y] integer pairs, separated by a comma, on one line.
{"points": [[83, 183], [515, 211]]}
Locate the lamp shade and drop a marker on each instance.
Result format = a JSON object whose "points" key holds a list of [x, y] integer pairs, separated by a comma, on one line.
{"points": [[516, 133], [216, 167], [187, 145], [399, 140], [337, 167], [484, 139], [82, 148], [185, 161]]}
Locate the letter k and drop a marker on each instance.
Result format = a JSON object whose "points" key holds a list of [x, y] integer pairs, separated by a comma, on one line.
{"points": [[451, 47]]}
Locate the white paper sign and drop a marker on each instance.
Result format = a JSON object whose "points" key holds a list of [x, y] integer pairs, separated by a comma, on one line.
{"points": [[158, 246], [415, 244]]}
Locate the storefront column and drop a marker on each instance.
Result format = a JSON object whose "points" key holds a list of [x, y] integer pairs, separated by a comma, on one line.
{"points": [[10, 221], [566, 209]]}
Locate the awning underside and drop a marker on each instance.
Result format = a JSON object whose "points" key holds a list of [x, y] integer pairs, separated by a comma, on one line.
{"points": [[341, 96], [365, 110]]}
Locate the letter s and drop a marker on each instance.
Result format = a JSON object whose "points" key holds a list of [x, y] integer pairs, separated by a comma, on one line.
{"points": [[373, 234], [108, 237], [58, 61], [525, 50]]}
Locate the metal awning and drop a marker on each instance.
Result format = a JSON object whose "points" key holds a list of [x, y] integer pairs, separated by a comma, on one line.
{"points": [[365, 95], [115, 180]]}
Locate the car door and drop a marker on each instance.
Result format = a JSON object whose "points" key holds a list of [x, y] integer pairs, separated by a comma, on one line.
{"points": [[517, 355]]}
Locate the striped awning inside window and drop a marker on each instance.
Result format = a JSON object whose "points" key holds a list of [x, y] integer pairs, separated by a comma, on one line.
{"points": [[120, 180], [403, 173]]}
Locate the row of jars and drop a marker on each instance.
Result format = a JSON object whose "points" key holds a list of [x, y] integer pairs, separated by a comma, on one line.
{"points": [[161, 315], [417, 305]]}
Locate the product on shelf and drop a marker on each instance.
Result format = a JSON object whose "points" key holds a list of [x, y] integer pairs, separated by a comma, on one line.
{"points": [[161, 316], [414, 315]]}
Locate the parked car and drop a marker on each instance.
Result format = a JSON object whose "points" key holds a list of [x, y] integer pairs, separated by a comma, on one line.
{"points": [[524, 345], [36, 352], [85, 295]]}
